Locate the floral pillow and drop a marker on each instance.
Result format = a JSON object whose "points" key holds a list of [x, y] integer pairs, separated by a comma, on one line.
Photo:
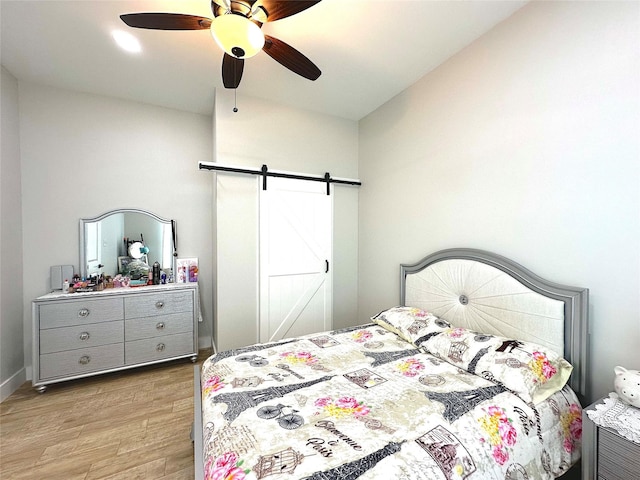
{"points": [[412, 324], [532, 371]]}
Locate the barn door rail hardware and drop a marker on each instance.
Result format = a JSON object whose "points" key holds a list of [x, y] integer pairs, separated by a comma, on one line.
{"points": [[265, 172]]}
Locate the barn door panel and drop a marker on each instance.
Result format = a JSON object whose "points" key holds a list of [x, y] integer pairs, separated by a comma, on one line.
{"points": [[295, 259]]}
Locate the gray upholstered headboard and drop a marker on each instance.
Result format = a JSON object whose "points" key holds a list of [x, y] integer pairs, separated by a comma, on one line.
{"points": [[486, 292]]}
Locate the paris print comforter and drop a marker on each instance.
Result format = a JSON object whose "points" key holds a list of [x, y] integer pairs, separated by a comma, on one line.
{"points": [[366, 403]]}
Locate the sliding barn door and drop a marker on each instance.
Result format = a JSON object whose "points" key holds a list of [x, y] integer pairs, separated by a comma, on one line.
{"points": [[296, 230]]}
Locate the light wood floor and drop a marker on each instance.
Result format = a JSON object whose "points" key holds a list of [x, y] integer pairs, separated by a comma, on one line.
{"points": [[127, 425]]}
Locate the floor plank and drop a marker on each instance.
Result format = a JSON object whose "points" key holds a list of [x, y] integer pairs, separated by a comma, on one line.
{"points": [[124, 425]]}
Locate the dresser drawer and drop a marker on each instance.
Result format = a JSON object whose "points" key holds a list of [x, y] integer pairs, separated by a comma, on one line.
{"points": [[147, 327], [84, 360], [151, 349], [160, 303], [79, 312], [618, 458], [81, 336]]}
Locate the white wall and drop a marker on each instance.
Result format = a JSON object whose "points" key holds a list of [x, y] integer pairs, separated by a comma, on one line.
{"points": [[83, 155], [12, 371], [283, 138], [526, 144]]}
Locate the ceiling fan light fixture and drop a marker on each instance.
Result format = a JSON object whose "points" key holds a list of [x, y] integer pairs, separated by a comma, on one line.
{"points": [[237, 35]]}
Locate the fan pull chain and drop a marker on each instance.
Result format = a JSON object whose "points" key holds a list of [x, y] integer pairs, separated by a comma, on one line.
{"points": [[235, 100]]}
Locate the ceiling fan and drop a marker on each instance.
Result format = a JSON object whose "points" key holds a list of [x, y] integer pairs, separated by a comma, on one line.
{"points": [[236, 28]]}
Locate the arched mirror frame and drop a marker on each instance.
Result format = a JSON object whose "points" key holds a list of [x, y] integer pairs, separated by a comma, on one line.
{"points": [[85, 221]]}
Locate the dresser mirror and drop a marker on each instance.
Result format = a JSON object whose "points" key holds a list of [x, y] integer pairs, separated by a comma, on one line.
{"points": [[126, 241]]}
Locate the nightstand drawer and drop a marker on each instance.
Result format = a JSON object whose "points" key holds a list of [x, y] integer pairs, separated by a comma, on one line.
{"points": [[81, 336], [147, 327], [618, 458], [161, 303], [151, 349], [80, 312], [84, 360]]}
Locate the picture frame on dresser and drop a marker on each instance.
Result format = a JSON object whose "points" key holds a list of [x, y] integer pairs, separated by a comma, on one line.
{"points": [[187, 270]]}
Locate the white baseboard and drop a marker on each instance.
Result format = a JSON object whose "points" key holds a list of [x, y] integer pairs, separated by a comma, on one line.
{"points": [[12, 384], [204, 343]]}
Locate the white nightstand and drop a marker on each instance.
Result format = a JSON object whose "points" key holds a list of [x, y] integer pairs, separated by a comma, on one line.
{"points": [[606, 455]]}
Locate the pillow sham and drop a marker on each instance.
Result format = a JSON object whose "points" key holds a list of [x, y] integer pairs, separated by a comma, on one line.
{"points": [[412, 324], [532, 371]]}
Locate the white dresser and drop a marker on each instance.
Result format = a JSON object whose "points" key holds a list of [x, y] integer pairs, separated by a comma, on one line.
{"points": [[83, 334]]}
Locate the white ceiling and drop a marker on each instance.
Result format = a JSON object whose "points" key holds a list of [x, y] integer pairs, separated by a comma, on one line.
{"points": [[368, 50]]}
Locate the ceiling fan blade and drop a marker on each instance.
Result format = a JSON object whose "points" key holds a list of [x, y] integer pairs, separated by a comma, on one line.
{"points": [[291, 58], [220, 7], [277, 9], [166, 21], [232, 68]]}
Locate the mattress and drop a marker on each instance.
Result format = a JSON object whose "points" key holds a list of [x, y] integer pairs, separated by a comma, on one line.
{"points": [[367, 403]]}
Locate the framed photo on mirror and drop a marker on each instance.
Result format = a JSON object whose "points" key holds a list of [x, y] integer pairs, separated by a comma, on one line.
{"points": [[122, 263]]}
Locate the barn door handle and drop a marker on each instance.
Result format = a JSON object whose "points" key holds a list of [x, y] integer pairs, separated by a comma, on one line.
{"points": [[326, 266]]}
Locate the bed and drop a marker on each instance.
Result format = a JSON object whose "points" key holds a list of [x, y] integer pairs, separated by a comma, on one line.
{"points": [[478, 372]]}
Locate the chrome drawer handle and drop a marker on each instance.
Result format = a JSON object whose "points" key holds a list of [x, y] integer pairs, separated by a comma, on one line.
{"points": [[84, 312], [160, 326], [159, 304], [84, 360], [160, 347], [84, 336]]}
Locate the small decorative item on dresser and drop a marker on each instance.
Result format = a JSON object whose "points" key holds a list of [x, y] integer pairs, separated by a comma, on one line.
{"points": [[156, 273], [187, 270], [627, 385]]}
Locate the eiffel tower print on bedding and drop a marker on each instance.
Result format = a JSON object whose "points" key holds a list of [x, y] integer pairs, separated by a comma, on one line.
{"points": [[365, 403]]}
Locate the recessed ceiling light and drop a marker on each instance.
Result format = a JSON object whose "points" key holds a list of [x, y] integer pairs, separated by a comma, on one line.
{"points": [[126, 41]]}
